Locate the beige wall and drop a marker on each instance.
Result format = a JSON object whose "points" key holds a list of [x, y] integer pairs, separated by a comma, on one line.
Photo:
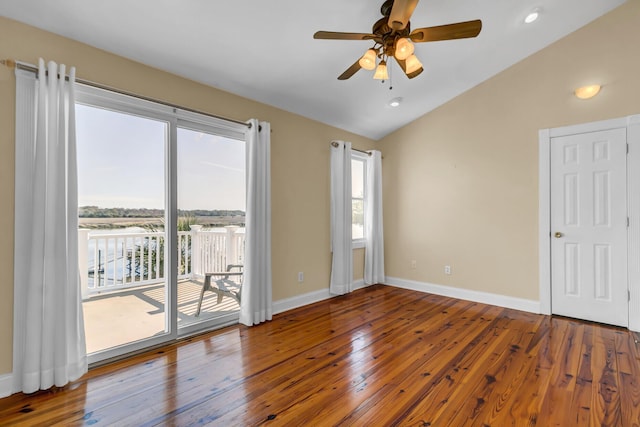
{"points": [[460, 183], [300, 160]]}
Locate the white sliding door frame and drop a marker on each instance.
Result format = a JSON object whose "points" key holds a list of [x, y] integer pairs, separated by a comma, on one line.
{"points": [[174, 118]]}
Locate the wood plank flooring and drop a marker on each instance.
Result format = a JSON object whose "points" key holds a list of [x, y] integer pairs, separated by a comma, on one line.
{"points": [[380, 356]]}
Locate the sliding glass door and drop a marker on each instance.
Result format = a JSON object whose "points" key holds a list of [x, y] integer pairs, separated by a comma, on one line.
{"points": [[211, 218], [161, 214], [121, 198]]}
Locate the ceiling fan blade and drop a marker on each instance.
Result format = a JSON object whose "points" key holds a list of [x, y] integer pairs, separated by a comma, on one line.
{"points": [[331, 35], [403, 65], [350, 71], [401, 13], [460, 30]]}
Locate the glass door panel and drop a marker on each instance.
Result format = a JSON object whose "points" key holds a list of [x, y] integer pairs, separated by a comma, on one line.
{"points": [[211, 217], [121, 199]]}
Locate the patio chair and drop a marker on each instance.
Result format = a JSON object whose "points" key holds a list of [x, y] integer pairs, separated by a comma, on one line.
{"points": [[227, 284]]}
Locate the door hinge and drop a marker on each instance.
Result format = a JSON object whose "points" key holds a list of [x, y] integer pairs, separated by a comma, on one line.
{"points": [[628, 222], [628, 295], [627, 148]]}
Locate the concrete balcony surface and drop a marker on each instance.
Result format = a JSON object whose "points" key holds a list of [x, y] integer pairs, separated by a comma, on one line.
{"points": [[116, 318]]}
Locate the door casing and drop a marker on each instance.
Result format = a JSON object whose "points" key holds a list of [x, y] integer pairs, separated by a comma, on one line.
{"points": [[632, 124]]}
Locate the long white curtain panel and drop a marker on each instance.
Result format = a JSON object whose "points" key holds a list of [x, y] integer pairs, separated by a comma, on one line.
{"points": [[374, 232], [256, 302], [49, 344], [342, 253]]}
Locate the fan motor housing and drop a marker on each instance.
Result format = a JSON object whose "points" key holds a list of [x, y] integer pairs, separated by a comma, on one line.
{"points": [[386, 36]]}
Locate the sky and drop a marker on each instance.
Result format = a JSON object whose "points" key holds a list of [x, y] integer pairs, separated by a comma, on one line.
{"points": [[121, 163]]}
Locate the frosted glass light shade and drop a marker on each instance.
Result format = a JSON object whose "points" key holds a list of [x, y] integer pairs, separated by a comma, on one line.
{"points": [[586, 92], [381, 71], [413, 64], [404, 48], [368, 60], [532, 17]]}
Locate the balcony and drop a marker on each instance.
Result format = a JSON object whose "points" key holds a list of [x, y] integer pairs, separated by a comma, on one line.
{"points": [[124, 287]]}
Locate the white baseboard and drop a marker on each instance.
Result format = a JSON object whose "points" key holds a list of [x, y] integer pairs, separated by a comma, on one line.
{"points": [[6, 384], [358, 284], [466, 294], [287, 304]]}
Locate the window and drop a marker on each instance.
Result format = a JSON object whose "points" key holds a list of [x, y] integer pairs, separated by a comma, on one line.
{"points": [[358, 198]]}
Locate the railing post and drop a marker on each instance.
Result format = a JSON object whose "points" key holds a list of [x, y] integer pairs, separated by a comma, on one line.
{"points": [[196, 251], [83, 261], [232, 246]]}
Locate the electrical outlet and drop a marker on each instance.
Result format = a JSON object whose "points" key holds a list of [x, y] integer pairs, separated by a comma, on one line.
{"points": [[413, 264], [300, 276], [447, 269]]}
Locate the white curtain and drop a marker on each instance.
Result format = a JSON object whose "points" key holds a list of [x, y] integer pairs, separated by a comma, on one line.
{"points": [[342, 252], [256, 302], [374, 239], [49, 345]]}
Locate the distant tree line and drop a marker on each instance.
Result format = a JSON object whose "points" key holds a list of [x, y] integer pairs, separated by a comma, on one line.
{"points": [[97, 212]]}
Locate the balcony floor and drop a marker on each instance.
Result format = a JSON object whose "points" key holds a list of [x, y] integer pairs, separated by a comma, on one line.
{"points": [[116, 318]]}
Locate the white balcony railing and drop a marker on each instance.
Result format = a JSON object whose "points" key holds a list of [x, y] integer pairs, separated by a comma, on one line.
{"points": [[115, 261]]}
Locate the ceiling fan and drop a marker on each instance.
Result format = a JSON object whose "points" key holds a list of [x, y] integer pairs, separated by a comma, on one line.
{"points": [[392, 37]]}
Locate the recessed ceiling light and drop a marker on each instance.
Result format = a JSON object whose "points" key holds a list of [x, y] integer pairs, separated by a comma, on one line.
{"points": [[586, 92], [532, 16], [395, 102]]}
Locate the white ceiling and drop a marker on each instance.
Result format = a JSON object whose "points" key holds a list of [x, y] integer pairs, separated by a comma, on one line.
{"points": [[264, 50]]}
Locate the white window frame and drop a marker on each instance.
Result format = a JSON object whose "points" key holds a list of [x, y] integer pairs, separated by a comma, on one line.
{"points": [[361, 157]]}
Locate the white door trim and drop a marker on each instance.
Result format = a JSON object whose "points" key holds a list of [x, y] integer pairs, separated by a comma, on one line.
{"points": [[544, 219], [632, 124]]}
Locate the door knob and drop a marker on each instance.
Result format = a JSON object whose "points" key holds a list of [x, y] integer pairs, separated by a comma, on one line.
{"points": [[558, 235]]}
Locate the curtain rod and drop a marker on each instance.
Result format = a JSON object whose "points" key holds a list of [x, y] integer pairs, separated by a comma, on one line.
{"points": [[32, 68], [335, 144]]}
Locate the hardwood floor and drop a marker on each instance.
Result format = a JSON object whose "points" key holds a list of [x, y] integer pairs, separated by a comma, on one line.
{"points": [[379, 356]]}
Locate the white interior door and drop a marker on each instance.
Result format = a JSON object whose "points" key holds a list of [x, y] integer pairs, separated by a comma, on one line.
{"points": [[589, 226]]}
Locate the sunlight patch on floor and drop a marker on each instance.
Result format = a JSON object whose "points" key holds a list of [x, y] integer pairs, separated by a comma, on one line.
{"points": [[121, 317]]}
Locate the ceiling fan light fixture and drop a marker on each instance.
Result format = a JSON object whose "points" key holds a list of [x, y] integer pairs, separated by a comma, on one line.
{"points": [[368, 60], [586, 92], [393, 38], [381, 71], [413, 64], [404, 48]]}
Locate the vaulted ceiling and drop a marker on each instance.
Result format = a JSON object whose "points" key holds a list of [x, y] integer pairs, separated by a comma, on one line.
{"points": [[264, 50]]}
